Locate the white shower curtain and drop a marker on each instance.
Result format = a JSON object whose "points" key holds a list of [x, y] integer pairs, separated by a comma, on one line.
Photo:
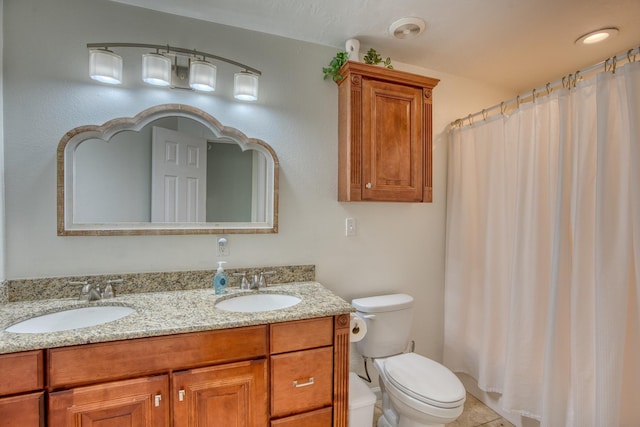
{"points": [[543, 254]]}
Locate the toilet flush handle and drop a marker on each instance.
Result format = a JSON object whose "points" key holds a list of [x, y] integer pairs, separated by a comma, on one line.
{"points": [[367, 316]]}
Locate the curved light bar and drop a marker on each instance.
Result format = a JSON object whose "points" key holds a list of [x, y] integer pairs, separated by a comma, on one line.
{"points": [[158, 70]]}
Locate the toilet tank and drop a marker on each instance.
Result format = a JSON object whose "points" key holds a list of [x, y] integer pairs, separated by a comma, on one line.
{"points": [[388, 319]]}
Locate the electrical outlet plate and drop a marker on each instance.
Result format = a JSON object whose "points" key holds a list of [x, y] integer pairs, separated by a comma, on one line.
{"points": [[223, 246]]}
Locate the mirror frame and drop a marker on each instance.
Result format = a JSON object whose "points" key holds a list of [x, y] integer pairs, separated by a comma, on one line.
{"points": [[65, 177]]}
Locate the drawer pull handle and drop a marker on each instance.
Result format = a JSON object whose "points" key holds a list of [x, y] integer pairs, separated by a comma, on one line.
{"points": [[304, 384]]}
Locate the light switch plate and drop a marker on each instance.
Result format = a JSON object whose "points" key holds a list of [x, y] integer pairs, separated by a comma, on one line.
{"points": [[350, 227]]}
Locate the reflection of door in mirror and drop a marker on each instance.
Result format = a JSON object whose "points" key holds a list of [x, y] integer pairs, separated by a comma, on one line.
{"points": [[178, 177]]}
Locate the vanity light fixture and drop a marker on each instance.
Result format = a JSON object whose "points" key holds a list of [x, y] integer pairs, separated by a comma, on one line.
{"points": [[105, 66], [162, 68], [597, 35], [245, 86], [156, 69]]}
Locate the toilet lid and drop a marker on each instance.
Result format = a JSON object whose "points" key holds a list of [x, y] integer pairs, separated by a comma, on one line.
{"points": [[425, 380]]}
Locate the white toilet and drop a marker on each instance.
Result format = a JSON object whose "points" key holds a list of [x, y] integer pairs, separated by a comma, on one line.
{"points": [[416, 391]]}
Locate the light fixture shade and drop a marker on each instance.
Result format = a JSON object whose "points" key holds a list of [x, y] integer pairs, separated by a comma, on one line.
{"points": [[202, 76], [156, 69], [245, 86], [105, 66]]}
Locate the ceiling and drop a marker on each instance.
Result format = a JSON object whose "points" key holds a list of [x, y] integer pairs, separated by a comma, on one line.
{"points": [[513, 44]]}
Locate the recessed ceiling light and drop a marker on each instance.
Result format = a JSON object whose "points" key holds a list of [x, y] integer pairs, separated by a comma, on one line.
{"points": [[597, 35], [407, 28]]}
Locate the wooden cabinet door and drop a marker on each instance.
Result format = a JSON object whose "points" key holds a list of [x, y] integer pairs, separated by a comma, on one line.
{"points": [[22, 411], [234, 394], [142, 402], [392, 131]]}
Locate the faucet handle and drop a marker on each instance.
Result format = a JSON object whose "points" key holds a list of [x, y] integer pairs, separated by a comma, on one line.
{"points": [[244, 285], [84, 292], [262, 281]]}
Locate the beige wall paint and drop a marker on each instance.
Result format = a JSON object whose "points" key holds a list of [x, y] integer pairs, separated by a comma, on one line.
{"points": [[399, 247]]}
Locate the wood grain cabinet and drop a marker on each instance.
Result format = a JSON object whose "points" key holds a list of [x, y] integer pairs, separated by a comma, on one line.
{"points": [[221, 396], [142, 402], [283, 374], [21, 389], [302, 374], [385, 135]]}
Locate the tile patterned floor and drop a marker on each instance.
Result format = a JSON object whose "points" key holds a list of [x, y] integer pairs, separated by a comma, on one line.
{"points": [[475, 414]]}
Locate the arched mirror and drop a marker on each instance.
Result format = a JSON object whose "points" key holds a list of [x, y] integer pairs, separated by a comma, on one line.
{"points": [[171, 169]]}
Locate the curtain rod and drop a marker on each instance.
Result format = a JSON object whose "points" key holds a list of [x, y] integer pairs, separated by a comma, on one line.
{"points": [[566, 82]]}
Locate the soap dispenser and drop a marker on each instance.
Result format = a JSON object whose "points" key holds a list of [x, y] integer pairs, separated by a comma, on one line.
{"points": [[220, 280]]}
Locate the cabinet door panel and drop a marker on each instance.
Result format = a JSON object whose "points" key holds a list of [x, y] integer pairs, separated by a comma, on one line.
{"points": [[221, 396], [301, 381], [141, 402], [22, 411], [392, 126]]}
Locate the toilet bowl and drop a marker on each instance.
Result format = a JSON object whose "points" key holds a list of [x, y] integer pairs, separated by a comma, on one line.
{"points": [[416, 391], [420, 392]]}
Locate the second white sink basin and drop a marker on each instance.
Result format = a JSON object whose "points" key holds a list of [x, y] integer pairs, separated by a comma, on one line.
{"points": [[70, 319], [257, 302]]}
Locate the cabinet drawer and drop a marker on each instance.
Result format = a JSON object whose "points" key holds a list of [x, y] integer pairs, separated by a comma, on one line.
{"points": [[301, 381], [301, 335], [22, 411], [320, 418], [92, 363], [21, 372]]}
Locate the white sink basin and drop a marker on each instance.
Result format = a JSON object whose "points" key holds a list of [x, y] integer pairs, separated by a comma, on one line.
{"points": [[70, 319], [257, 302]]}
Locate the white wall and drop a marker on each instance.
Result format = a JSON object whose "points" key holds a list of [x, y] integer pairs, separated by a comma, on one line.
{"points": [[2, 220], [399, 247]]}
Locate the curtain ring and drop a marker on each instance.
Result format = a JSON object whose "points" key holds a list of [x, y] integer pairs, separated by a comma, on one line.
{"points": [[576, 78], [564, 86], [549, 90], [470, 119], [614, 61], [606, 63], [533, 95], [502, 108], [518, 101], [484, 114]]}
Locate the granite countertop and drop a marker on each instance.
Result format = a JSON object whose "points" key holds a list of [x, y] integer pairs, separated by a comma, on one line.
{"points": [[164, 313]]}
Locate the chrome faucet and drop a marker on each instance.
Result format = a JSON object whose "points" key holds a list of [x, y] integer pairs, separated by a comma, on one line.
{"points": [[88, 292]]}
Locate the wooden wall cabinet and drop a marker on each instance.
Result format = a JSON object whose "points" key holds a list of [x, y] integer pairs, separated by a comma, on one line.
{"points": [[385, 135], [21, 389]]}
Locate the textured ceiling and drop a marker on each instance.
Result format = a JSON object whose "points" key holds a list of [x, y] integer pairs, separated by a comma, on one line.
{"points": [[514, 44]]}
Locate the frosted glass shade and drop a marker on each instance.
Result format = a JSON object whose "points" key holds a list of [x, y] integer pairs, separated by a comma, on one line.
{"points": [[245, 86], [202, 76], [156, 69], [105, 66]]}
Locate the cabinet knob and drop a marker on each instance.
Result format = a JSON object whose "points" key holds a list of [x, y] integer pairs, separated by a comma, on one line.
{"points": [[368, 185], [157, 399], [304, 384]]}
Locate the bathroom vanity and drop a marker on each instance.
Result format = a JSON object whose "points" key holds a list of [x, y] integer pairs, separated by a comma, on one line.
{"points": [[279, 368]]}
